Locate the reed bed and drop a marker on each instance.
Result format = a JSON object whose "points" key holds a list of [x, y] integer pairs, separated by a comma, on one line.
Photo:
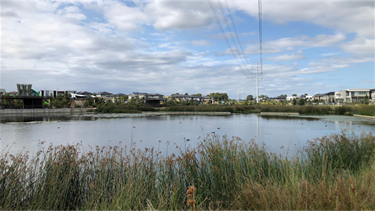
{"points": [[332, 172]]}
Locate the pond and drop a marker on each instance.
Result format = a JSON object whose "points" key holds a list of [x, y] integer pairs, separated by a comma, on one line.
{"points": [[23, 133]]}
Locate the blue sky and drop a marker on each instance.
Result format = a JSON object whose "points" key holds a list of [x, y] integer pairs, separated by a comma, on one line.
{"points": [[170, 46]]}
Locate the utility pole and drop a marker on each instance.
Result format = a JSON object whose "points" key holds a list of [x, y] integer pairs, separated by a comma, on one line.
{"points": [[257, 85]]}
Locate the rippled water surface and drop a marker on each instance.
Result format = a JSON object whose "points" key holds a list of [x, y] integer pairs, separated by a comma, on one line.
{"points": [[148, 130]]}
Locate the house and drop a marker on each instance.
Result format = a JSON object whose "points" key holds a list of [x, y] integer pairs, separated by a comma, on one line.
{"points": [[329, 97], [150, 99], [278, 99], [55, 93], [353, 95], [195, 98], [86, 94], [2, 91], [104, 94], [318, 97], [290, 98], [372, 95], [308, 97]]}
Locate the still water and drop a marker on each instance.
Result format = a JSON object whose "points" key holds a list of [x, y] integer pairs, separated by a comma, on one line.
{"points": [[24, 133]]}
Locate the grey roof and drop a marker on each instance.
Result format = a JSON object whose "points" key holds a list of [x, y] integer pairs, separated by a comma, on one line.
{"points": [[104, 93], [84, 93]]}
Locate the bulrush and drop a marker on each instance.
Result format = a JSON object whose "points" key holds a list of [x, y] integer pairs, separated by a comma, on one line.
{"points": [[191, 197]]}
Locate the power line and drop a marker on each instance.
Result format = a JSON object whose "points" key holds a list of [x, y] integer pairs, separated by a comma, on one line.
{"points": [[225, 37], [241, 54]]}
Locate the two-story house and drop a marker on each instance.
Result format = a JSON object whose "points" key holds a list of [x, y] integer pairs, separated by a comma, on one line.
{"points": [[352, 95]]}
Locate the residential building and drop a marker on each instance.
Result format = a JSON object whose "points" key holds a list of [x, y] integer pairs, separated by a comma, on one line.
{"points": [[329, 97], [353, 95], [150, 99], [2, 91], [278, 99], [308, 97], [290, 98], [55, 93], [187, 98]]}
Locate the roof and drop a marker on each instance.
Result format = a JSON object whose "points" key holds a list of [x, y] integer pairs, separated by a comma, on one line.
{"points": [[120, 94], [279, 97], [84, 93], [104, 93], [358, 90]]}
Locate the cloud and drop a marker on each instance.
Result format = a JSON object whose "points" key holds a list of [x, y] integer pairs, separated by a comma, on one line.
{"points": [[361, 46], [343, 15], [200, 42], [229, 34], [123, 17], [171, 14], [286, 57], [279, 45]]}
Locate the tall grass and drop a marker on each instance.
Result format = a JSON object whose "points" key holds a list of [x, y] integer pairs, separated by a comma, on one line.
{"points": [[333, 172], [308, 110]]}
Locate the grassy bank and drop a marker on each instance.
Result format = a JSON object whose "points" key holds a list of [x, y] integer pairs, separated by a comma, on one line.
{"points": [[245, 109], [333, 172], [121, 108]]}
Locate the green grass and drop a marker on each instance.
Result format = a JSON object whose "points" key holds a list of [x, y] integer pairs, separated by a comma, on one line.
{"points": [[227, 173]]}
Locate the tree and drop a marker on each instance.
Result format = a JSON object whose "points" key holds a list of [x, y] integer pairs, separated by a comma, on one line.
{"points": [[365, 100], [301, 102], [249, 98], [199, 94], [219, 96], [294, 101], [186, 93], [294, 95]]}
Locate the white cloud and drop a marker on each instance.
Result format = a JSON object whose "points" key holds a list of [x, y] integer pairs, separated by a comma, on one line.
{"points": [[171, 14], [349, 16], [286, 57], [123, 17], [276, 46], [360, 46]]}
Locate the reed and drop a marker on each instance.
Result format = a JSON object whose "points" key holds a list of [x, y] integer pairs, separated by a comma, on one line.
{"points": [[332, 172]]}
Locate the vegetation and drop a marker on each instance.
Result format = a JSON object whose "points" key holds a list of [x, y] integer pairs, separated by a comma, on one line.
{"points": [[333, 172], [121, 108]]}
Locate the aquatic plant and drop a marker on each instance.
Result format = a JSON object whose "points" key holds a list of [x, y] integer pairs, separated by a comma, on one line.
{"points": [[332, 172]]}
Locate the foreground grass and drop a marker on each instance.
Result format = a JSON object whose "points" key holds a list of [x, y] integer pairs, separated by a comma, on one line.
{"points": [[333, 172]]}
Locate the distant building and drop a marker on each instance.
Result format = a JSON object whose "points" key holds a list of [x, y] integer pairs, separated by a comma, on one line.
{"points": [[150, 99], [55, 93], [2, 91], [354, 95]]}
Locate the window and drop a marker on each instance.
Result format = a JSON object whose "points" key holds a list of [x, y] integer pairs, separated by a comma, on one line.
{"points": [[338, 95], [362, 93]]}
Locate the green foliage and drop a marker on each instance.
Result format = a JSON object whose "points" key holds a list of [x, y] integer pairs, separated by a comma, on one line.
{"points": [[218, 97], [61, 101], [294, 101], [301, 102], [250, 98]]}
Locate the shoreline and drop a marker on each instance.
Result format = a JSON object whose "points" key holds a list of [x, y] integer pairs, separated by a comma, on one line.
{"points": [[70, 111]]}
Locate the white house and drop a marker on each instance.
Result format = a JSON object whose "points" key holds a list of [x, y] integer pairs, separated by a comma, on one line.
{"points": [[353, 95]]}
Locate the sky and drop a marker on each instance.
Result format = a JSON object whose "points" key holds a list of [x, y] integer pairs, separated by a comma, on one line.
{"points": [[188, 46]]}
